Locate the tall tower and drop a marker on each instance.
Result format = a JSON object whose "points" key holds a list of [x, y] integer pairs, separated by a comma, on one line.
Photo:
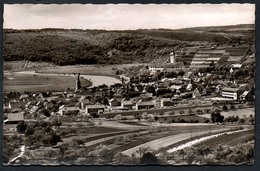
{"points": [[78, 84], [172, 58]]}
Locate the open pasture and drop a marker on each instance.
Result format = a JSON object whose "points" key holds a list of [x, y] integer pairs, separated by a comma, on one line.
{"points": [[105, 70], [35, 83]]}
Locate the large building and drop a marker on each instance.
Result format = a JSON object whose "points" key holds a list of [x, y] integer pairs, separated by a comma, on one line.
{"points": [[230, 93]]}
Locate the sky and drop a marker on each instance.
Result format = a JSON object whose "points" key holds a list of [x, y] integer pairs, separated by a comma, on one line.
{"points": [[125, 16]]}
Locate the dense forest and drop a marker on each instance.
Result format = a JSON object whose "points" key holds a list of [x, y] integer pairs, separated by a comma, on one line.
{"points": [[75, 46]]}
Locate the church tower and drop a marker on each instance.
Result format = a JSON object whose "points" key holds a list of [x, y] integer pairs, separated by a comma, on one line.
{"points": [[78, 84], [172, 58]]}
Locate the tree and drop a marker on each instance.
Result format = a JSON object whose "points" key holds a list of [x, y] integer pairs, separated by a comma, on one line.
{"points": [[232, 107], [172, 113], [21, 126], [56, 122], [182, 112], [251, 119], [199, 111], [95, 115], [29, 130], [149, 158], [242, 121], [150, 120], [100, 123], [156, 118], [182, 153], [217, 117], [138, 116], [191, 112], [225, 108]]}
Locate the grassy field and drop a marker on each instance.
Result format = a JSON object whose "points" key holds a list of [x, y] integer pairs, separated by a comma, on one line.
{"points": [[229, 139], [238, 112], [106, 70], [34, 83]]}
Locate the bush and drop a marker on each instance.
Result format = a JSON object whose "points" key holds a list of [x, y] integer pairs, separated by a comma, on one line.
{"points": [[21, 126], [149, 158]]}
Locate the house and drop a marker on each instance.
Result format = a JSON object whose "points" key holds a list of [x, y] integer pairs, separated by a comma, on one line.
{"points": [[38, 97], [144, 105], [196, 93], [24, 97], [236, 65], [127, 104], [154, 69], [166, 102], [113, 102], [48, 105], [14, 118], [83, 100], [187, 76], [229, 93], [34, 109], [189, 87], [95, 109], [14, 104], [98, 95], [242, 97], [176, 88], [68, 110], [146, 96]]}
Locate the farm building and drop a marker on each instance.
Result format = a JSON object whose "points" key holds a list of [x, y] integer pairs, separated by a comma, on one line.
{"points": [[242, 97], [166, 102], [127, 104], [113, 102], [95, 108], [69, 110], [144, 105], [14, 118]]}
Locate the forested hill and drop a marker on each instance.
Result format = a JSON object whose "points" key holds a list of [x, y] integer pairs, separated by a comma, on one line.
{"points": [[74, 46]]}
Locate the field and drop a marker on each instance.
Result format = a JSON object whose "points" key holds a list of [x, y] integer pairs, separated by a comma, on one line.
{"points": [[105, 70], [34, 83], [238, 112], [230, 139]]}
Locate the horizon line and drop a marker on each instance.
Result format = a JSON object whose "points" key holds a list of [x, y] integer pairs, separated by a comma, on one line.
{"points": [[128, 29]]}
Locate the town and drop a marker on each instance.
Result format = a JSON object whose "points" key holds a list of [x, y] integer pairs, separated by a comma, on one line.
{"points": [[129, 84], [188, 91]]}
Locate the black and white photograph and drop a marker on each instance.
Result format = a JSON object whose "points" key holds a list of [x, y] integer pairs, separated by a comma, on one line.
{"points": [[128, 84]]}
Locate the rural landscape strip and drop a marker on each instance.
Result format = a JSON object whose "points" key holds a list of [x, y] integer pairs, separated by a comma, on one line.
{"points": [[201, 139], [168, 140]]}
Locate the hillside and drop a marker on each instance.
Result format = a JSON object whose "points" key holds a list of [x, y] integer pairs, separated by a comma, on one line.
{"points": [[69, 47]]}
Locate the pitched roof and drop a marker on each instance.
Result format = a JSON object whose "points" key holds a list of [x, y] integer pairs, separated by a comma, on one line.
{"points": [[95, 106], [145, 103], [15, 117], [230, 89]]}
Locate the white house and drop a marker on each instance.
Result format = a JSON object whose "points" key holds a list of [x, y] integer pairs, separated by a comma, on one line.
{"points": [[230, 93]]}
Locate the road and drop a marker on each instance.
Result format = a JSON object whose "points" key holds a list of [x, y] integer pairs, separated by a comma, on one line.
{"points": [[169, 140]]}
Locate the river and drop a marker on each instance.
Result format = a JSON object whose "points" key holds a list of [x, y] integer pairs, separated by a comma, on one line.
{"points": [[95, 79]]}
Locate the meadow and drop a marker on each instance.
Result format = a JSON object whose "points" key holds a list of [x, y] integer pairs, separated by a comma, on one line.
{"points": [[34, 83]]}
